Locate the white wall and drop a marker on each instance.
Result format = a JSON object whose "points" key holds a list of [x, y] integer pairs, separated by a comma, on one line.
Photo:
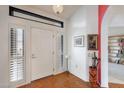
{"points": [[82, 22], [92, 28], [3, 46], [116, 31], [5, 20], [116, 74]]}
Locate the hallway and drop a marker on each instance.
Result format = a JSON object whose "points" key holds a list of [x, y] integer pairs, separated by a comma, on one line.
{"points": [[64, 80]]}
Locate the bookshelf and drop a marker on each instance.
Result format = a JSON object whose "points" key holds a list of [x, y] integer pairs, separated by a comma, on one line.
{"points": [[116, 49]]}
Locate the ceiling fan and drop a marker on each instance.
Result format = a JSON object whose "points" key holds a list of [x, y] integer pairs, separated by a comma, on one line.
{"points": [[58, 9]]}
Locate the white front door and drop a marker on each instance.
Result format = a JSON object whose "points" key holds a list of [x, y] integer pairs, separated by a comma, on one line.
{"points": [[42, 48]]}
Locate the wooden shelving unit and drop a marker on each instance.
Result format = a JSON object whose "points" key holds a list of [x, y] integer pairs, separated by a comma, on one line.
{"points": [[93, 77], [115, 46]]}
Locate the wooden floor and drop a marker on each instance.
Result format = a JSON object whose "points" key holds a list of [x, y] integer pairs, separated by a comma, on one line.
{"points": [[64, 80], [113, 85]]}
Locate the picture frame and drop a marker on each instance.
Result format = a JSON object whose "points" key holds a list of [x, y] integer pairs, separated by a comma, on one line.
{"points": [[92, 42], [79, 41]]}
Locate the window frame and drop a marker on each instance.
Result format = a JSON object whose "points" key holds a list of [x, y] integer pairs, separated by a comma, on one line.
{"points": [[15, 26]]}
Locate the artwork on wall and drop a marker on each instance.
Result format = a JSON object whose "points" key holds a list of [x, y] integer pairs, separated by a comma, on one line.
{"points": [[79, 41], [93, 42]]}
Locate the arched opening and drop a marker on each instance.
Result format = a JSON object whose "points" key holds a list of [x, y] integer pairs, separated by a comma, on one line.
{"points": [[112, 25]]}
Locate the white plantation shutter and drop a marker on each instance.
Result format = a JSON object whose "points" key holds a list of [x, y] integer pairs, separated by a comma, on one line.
{"points": [[16, 54], [62, 46], [60, 50]]}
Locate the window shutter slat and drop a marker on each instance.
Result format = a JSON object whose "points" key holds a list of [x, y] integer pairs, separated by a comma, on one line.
{"points": [[16, 55]]}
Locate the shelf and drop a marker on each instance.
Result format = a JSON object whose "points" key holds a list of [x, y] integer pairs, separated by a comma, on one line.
{"points": [[93, 77], [113, 39], [116, 36], [111, 62], [112, 53], [114, 47], [112, 42], [114, 57], [116, 63]]}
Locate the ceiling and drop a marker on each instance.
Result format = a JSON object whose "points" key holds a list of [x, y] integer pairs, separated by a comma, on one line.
{"points": [[68, 10]]}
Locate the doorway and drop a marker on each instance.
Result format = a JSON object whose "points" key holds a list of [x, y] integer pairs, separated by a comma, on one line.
{"points": [[111, 31], [116, 54], [42, 53]]}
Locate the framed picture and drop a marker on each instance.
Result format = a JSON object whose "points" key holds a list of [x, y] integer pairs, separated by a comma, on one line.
{"points": [[79, 41], [93, 42]]}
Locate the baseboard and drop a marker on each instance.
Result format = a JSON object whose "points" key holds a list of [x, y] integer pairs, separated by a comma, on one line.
{"points": [[59, 72], [104, 86], [78, 77]]}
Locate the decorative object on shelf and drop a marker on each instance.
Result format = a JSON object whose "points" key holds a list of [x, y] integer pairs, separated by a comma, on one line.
{"points": [[79, 41], [58, 9], [116, 49], [93, 77], [93, 42], [94, 60]]}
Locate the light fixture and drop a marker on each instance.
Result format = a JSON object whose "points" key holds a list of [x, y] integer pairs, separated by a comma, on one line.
{"points": [[58, 9]]}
